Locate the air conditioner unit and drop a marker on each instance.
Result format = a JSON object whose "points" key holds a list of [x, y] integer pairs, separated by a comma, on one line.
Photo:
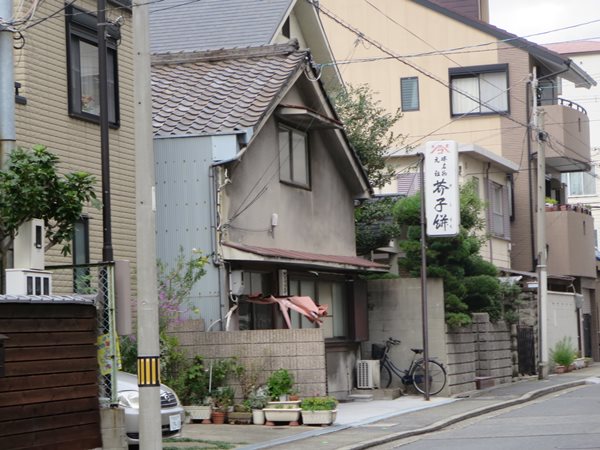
{"points": [[28, 282], [367, 374]]}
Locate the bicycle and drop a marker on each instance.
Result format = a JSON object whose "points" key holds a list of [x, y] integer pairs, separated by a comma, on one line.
{"points": [[415, 373]]}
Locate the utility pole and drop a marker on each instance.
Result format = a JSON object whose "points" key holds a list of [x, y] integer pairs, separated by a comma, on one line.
{"points": [[107, 249], [8, 135], [542, 273], [147, 303]]}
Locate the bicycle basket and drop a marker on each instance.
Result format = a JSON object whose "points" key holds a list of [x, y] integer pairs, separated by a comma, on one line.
{"points": [[377, 351]]}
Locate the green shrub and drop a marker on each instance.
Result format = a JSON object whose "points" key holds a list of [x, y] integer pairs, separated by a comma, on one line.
{"points": [[280, 383], [564, 353], [258, 398], [319, 403]]}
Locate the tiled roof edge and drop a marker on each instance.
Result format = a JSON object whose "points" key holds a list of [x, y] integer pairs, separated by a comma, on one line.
{"points": [[225, 54]]}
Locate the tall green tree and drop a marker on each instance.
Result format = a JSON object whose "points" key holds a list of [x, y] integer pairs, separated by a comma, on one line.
{"points": [[470, 283], [369, 128], [31, 187]]}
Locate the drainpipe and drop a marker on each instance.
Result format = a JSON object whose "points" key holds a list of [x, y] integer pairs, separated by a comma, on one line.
{"points": [[490, 213]]}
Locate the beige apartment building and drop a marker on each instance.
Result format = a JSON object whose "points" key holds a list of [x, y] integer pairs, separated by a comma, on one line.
{"points": [[456, 77], [56, 71]]}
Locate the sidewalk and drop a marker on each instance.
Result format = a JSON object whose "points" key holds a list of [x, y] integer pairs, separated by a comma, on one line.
{"points": [[363, 424]]}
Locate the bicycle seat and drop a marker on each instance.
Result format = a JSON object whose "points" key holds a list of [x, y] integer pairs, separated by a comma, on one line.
{"points": [[417, 351]]}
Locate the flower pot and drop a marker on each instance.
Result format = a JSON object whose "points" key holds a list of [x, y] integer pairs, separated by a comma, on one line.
{"points": [[284, 404], [199, 413], [258, 417], [218, 417], [282, 414], [326, 417], [242, 418], [560, 369]]}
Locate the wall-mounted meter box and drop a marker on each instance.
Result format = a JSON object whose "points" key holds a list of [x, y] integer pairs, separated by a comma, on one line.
{"points": [[29, 246], [28, 282]]}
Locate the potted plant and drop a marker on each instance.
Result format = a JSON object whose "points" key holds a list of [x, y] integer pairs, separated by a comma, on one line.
{"points": [[280, 384], [551, 204], [257, 400], [241, 414], [563, 355], [282, 412], [194, 393], [319, 410], [222, 400]]}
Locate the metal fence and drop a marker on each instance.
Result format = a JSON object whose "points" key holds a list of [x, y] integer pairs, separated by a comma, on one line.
{"points": [[98, 282]]}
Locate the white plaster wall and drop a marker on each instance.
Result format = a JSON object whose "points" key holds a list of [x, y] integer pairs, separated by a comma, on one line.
{"points": [[562, 318]]}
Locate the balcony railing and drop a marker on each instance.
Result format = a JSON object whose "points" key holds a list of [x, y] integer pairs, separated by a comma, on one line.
{"points": [[563, 102], [583, 209]]}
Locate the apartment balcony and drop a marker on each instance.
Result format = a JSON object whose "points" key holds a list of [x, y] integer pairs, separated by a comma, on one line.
{"points": [[568, 126], [570, 238]]}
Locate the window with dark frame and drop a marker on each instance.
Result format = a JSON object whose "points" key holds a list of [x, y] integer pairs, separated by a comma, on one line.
{"points": [[82, 67], [409, 93], [479, 90], [294, 165]]}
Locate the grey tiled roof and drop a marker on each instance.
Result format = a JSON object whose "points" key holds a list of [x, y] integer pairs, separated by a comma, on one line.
{"points": [[213, 92], [180, 25]]}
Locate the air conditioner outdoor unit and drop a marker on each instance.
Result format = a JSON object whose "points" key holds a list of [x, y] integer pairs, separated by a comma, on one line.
{"points": [[367, 374], [28, 282]]}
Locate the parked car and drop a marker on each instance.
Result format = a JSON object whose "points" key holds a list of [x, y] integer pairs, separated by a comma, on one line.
{"points": [[171, 412]]}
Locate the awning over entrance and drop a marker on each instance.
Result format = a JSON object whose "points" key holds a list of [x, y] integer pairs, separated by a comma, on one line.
{"points": [[242, 252]]}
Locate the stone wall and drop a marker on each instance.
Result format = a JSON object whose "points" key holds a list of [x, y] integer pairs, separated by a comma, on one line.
{"points": [[479, 351], [302, 352]]}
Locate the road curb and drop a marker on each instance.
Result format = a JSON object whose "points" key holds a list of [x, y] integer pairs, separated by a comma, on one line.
{"points": [[465, 416]]}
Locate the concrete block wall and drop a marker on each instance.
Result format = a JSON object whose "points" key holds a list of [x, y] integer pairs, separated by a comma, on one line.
{"points": [[462, 359], [482, 349], [301, 352]]}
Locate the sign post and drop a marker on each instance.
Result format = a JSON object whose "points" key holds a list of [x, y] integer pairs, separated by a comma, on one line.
{"points": [[440, 215]]}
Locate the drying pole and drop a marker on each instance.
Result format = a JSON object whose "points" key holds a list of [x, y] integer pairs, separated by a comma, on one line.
{"points": [[147, 302], [424, 281]]}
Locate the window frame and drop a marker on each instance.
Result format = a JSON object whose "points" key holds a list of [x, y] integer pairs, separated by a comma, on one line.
{"points": [[587, 179], [416, 88], [475, 72], [290, 133], [81, 27]]}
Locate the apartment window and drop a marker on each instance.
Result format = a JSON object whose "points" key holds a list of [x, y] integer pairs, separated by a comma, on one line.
{"points": [[83, 69], [293, 157], [498, 210], [409, 93], [580, 183], [81, 255], [479, 89]]}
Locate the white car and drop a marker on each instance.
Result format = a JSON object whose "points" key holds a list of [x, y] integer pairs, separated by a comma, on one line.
{"points": [[171, 412]]}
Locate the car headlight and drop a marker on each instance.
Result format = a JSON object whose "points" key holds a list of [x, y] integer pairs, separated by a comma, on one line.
{"points": [[129, 399]]}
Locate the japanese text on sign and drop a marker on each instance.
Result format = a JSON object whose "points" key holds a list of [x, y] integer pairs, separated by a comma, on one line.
{"points": [[442, 206]]}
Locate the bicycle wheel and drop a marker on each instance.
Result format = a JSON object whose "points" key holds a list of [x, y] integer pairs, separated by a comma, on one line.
{"points": [[437, 377], [385, 376]]}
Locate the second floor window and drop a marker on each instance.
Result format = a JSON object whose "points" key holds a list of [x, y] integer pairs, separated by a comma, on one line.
{"points": [[84, 71], [479, 89], [580, 183], [409, 93], [294, 167]]}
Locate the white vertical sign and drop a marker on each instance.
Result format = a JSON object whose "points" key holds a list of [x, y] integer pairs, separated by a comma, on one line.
{"points": [[442, 204]]}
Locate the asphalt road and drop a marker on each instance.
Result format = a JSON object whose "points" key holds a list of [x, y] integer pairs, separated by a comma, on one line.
{"points": [[565, 420]]}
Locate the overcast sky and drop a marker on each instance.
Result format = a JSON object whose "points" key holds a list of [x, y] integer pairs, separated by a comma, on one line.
{"points": [[524, 17]]}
